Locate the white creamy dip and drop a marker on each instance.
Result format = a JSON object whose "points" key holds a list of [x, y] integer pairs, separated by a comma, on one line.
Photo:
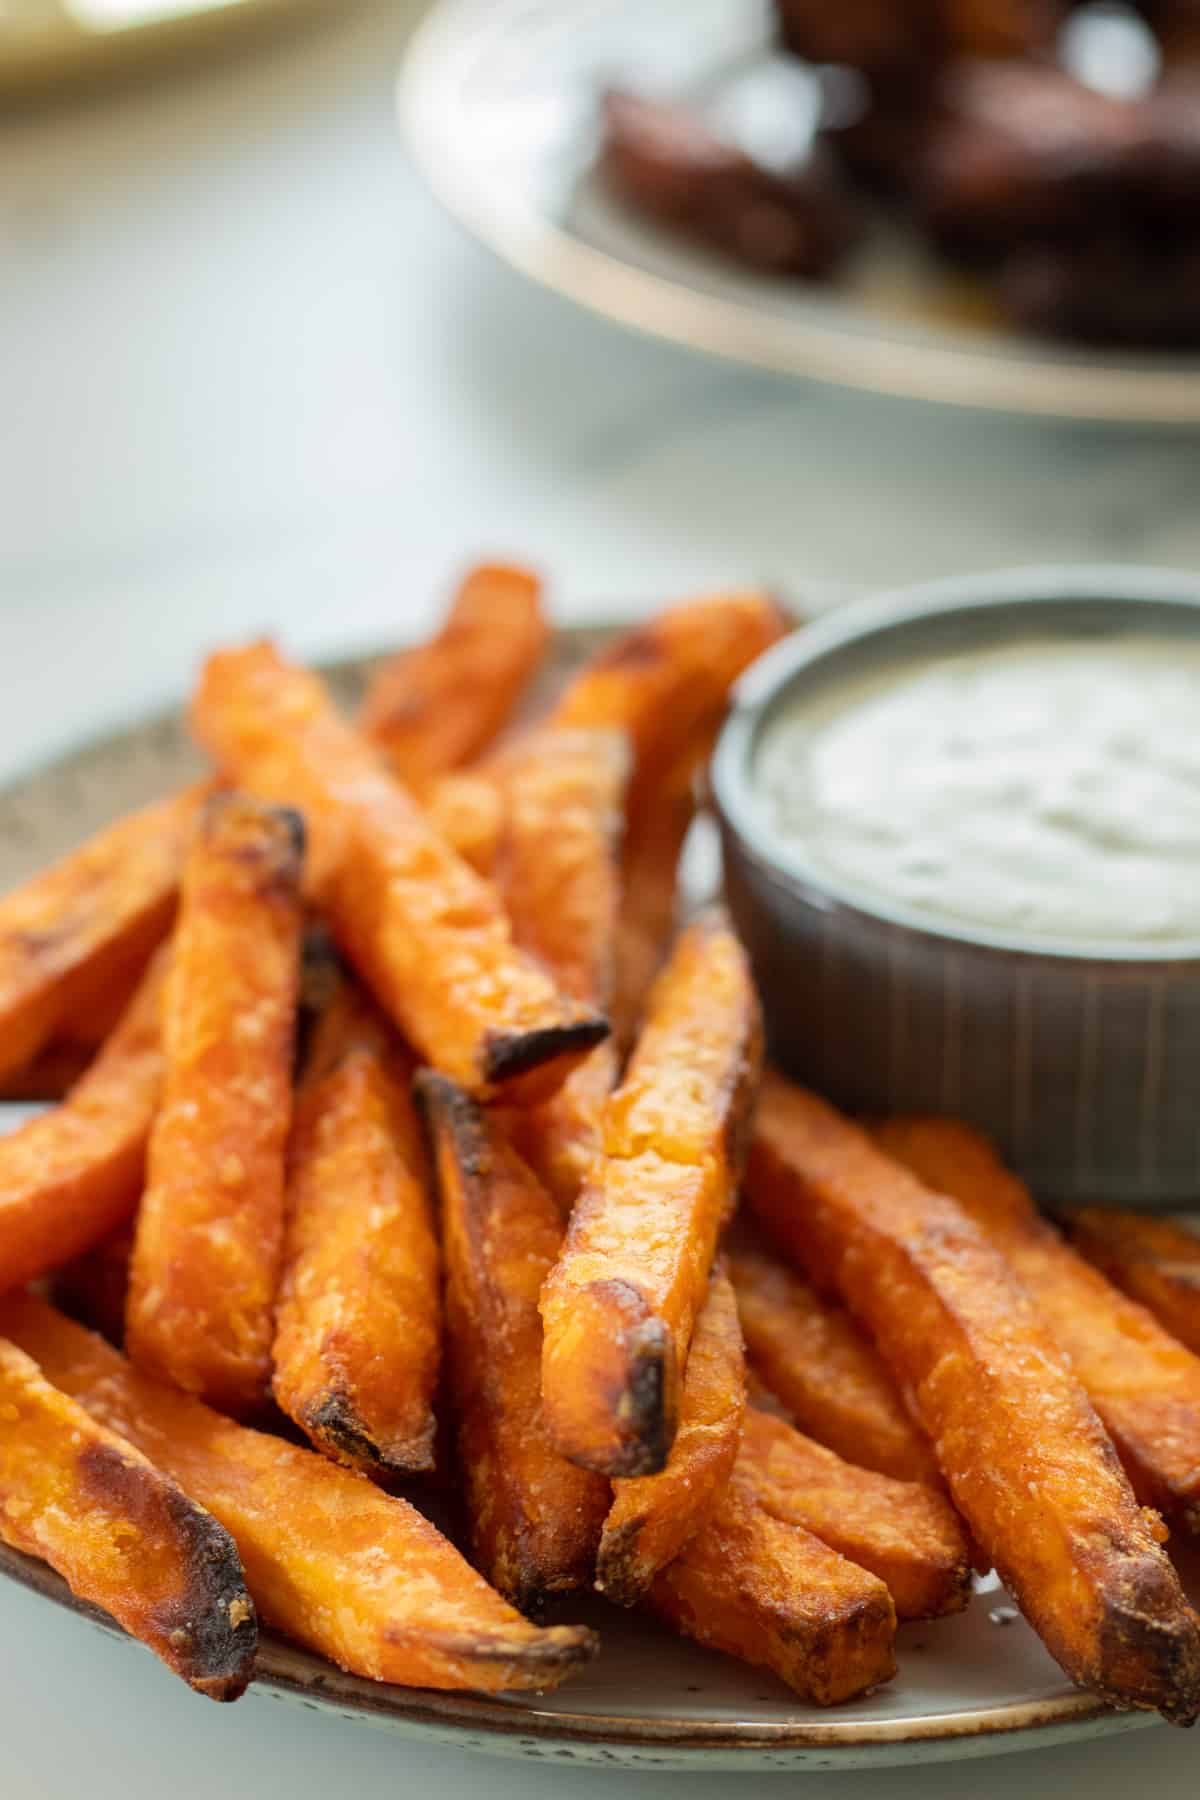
{"points": [[1048, 787]]}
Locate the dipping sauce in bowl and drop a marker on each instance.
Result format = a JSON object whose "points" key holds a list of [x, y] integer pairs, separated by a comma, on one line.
{"points": [[961, 831]]}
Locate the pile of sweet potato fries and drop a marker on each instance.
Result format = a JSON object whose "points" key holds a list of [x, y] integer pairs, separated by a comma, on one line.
{"points": [[396, 1143]]}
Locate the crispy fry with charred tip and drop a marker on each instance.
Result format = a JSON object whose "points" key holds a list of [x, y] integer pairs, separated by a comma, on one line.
{"points": [[82, 931], [467, 810], [205, 1263], [621, 1302], [1143, 1383], [431, 938], [903, 1531], [558, 873], [93, 1286], [121, 1534], [353, 1574], [829, 1377], [74, 1174], [535, 1518], [653, 1516], [1026, 1459], [438, 706], [1153, 1260], [774, 1595], [358, 1323]]}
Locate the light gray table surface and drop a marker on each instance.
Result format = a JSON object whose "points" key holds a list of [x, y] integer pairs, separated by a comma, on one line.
{"points": [[251, 379]]}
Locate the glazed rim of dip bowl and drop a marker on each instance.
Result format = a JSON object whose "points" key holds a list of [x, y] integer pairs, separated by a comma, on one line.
{"points": [[1079, 1058]]}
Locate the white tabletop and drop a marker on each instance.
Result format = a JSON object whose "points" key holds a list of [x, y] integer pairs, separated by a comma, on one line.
{"points": [[251, 379]]}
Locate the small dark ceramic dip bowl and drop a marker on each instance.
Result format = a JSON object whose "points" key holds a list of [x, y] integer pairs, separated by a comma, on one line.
{"points": [[1081, 1061]]}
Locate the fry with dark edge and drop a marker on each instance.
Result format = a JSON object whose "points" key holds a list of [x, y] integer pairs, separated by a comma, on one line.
{"points": [[437, 706], [653, 1516], [121, 1534], [353, 1574], [774, 1595], [1154, 1260], [903, 1531], [431, 939], [621, 1302], [819, 1365], [83, 929], [558, 872], [358, 1321], [535, 1518], [1143, 1383], [206, 1253], [73, 1175], [1026, 1459]]}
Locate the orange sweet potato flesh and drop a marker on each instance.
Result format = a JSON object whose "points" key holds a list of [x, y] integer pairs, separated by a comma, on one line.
{"points": [[903, 1531], [438, 706], [206, 1254], [622, 1300], [120, 1533], [1144, 1384], [355, 1575], [429, 936], [1154, 1260], [774, 1595], [535, 1518], [829, 1377], [654, 1516], [467, 810], [656, 828], [358, 1322], [1026, 1459], [84, 928], [558, 872], [73, 1175]]}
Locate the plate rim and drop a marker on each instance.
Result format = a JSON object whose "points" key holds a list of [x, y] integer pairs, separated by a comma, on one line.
{"points": [[1104, 390]]}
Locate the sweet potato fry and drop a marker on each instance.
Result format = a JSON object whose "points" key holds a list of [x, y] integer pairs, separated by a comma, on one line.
{"points": [[355, 1575], [654, 838], [87, 926], [121, 1534], [653, 1516], [358, 1323], [535, 1518], [438, 706], [558, 873], [1143, 1383], [467, 810], [206, 1254], [1026, 1459], [93, 1287], [828, 1376], [903, 1531], [73, 1175], [1154, 1260], [621, 1302], [430, 937], [774, 1595]]}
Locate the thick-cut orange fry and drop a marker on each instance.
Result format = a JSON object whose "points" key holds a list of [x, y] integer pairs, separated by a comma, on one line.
{"points": [[210, 1230], [655, 832], [85, 927], [1143, 1383], [535, 1518], [120, 1533], [358, 1324], [430, 937], [1026, 1459], [360, 1578], [437, 706], [558, 872], [93, 1287], [904, 1532], [1154, 1260], [654, 1516], [467, 810], [774, 1595], [830, 1378], [621, 1302], [73, 1175]]}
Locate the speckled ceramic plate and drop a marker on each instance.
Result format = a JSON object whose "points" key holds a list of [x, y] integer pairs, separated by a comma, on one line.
{"points": [[967, 1686], [498, 104]]}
